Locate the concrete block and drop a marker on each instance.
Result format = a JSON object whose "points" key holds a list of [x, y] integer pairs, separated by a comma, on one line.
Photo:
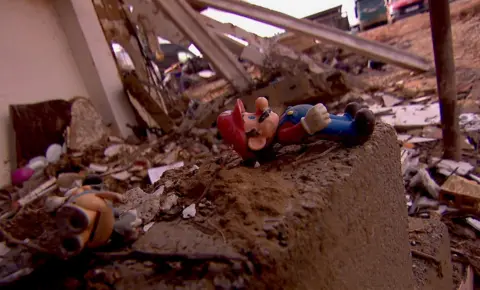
{"points": [[335, 222], [430, 236]]}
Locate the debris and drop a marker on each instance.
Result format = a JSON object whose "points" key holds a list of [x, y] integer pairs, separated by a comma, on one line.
{"points": [[86, 127], [50, 120], [421, 99], [67, 181], [461, 193], [147, 205], [148, 226], [52, 203], [189, 211], [169, 202], [3, 250], [40, 191], [98, 168], [448, 167], [380, 111], [409, 160], [156, 173], [474, 223], [474, 177], [194, 168], [468, 282], [38, 163], [390, 101], [151, 108], [116, 149], [412, 140], [53, 153], [25, 243], [470, 122], [413, 116], [122, 175], [422, 179], [432, 132], [159, 191], [21, 175]]}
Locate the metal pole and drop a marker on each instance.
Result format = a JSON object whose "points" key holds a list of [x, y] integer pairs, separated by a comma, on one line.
{"points": [[445, 69]]}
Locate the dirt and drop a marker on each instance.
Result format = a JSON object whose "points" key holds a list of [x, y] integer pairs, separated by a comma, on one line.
{"points": [[430, 236], [331, 223], [413, 34]]}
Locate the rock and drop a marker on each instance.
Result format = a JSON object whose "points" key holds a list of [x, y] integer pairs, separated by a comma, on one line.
{"points": [[52, 203], [98, 168], [424, 180], [86, 126], [169, 202], [189, 211], [116, 149], [148, 226], [122, 175], [222, 282], [147, 205], [156, 173], [54, 152]]}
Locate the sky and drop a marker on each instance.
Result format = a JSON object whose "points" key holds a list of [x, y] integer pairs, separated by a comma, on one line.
{"points": [[296, 8]]}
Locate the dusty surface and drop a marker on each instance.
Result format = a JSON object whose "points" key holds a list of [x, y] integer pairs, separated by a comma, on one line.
{"points": [[337, 222], [430, 236]]}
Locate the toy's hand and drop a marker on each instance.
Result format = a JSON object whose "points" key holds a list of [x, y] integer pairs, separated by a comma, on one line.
{"points": [[317, 118]]}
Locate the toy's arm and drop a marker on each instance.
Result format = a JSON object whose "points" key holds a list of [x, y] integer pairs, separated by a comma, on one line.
{"points": [[291, 134]]}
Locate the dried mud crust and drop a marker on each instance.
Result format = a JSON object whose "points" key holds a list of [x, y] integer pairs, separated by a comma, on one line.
{"points": [[337, 222]]}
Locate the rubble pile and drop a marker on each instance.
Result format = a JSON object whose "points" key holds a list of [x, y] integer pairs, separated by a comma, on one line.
{"points": [[173, 205]]}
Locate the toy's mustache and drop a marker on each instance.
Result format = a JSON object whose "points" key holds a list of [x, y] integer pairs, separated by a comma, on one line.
{"points": [[264, 115]]}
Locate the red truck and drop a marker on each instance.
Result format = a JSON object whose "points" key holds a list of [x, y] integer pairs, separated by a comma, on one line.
{"points": [[402, 8]]}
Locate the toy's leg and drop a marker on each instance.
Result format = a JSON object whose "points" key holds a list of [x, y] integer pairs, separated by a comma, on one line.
{"points": [[349, 114], [351, 132], [345, 117], [338, 129]]}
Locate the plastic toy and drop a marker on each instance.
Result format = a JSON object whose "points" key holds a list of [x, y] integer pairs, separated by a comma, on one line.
{"points": [[86, 220], [253, 134]]}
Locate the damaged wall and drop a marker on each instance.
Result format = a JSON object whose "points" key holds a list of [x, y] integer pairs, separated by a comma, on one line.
{"points": [[36, 64]]}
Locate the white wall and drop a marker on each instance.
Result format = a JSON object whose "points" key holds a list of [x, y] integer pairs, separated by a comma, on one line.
{"points": [[36, 64]]}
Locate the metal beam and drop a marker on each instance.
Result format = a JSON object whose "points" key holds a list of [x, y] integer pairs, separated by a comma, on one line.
{"points": [[445, 69], [322, 32], [184, 17]]}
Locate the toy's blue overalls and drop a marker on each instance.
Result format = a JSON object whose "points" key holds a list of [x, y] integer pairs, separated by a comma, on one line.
{"points": [[340, 126]]}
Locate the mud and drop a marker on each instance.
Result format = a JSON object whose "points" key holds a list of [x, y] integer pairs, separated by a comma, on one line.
{"points": [[337, 222]]}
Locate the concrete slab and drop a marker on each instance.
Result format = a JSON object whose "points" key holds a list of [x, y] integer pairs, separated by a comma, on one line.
{"points": [[430, 236], [336, 222]]}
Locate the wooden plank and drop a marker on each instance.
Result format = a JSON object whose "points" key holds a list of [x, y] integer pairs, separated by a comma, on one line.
{"points": [[224, 62], [152, 107], [267, 46], [371, 49]]}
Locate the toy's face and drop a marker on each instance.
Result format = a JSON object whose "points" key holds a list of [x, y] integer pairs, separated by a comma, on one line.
{"points": [[248, 132], [260, 128]]}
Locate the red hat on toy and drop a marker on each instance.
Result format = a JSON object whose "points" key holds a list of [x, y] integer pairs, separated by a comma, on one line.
{"points": [[230, 124]]}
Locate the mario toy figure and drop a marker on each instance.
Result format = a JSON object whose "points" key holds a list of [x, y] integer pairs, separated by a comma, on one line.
{"points": [[253, 134]]}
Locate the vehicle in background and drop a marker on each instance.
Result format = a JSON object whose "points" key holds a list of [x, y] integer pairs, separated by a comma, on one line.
{"points": [[333, 17], [370, 13], [402, 8]]}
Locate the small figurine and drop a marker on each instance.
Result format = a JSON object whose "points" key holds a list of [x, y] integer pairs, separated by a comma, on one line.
{"points": [[253, 134], [86, 220]]}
